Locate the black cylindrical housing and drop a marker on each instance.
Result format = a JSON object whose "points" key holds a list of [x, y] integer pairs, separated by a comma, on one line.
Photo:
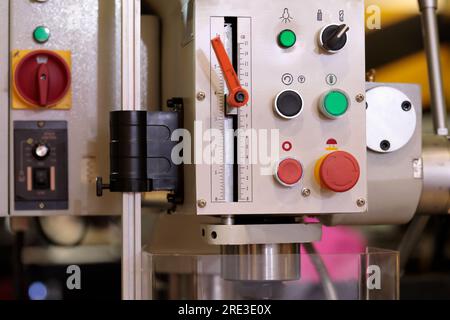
{"points": [[128, 151]]}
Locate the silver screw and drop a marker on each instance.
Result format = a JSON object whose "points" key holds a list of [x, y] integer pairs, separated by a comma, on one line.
{"points": [[306, 192], [360, 98], [361, 202], [202, 203], [201, 96], [41, 205]]}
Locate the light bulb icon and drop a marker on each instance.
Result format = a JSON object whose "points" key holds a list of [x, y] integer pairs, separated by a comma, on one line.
{"points": [[286, 16]]}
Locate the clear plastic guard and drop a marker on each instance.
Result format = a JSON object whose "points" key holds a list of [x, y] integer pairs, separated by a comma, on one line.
{"points": [[373, 275]]}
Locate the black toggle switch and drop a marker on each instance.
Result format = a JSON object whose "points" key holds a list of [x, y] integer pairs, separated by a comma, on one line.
{"points": [[334, 37], [41, 178]]}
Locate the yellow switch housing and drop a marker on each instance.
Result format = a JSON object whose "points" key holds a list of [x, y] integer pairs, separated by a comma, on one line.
{"points": [[18, 102]]}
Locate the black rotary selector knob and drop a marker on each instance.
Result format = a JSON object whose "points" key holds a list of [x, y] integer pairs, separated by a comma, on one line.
{"points": [[334, 37]]}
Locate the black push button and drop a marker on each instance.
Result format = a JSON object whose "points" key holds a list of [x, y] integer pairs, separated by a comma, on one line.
{"points": [[41, 178], [289, 104]]}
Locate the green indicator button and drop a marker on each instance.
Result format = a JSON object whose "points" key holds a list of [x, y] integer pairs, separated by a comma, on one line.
{"points": [[335, 104], [287, 38], [41, 34]]}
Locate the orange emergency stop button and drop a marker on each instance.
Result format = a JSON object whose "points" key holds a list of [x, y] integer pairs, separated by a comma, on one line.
{"points": [[339, 171]]}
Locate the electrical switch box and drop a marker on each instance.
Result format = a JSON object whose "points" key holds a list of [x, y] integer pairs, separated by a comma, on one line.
{"points": [[64, 80], [274, 97], [41, 166]]}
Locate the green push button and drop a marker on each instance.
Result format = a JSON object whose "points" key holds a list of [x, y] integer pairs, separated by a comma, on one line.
{"points": [[335, 104], [287, 38], [41, 34]]}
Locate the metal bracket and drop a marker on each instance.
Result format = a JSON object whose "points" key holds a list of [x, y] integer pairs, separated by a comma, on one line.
{"points": [[141, 152], [227, 235]]}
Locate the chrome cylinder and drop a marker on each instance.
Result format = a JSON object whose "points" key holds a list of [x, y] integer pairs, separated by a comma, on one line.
{"points": [[261, 262], [430, 29], [436, 176]]}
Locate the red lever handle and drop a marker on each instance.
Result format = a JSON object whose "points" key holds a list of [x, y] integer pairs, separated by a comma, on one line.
{"points": [[238, 96], [43, 84]]}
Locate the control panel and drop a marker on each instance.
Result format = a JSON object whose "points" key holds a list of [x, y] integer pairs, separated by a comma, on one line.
{"points": [[277, 106], [64, 79], [41, 166]]}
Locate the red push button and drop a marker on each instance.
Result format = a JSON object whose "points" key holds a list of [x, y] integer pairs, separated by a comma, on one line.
{"points": [[339, 171], [289, 172], [42, 78]]}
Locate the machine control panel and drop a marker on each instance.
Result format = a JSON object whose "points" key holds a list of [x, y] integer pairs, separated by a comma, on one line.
{"points": [[298, 130], [41, 166], [62, 88]]}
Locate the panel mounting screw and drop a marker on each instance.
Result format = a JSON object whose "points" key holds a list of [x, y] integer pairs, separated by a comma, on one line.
{"points": [[201, 96], [385, 145], [361, 202], [406, 106], [360, 98], [306, 192], [202, 203]]}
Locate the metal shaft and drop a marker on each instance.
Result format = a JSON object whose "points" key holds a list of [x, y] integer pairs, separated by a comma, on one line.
{"points": [[428, 9], [131, 216], [261, 262], [327, 282]]}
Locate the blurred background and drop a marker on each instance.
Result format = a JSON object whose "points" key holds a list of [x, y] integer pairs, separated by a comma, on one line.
{"points": [[395, 53], [35, 252]]}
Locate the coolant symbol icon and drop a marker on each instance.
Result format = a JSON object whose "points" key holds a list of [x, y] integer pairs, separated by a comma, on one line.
{"points": [[319, 15], [341, 15]]}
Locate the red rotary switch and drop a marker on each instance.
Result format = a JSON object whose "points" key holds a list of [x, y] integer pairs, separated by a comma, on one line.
{"points": [[289, 172], [42, 78], [339, 171]]}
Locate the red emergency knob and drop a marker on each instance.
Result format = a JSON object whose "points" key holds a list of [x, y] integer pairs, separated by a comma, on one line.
{"points": [[238, 96], [339, 171], [289, 172], [42, 78]]}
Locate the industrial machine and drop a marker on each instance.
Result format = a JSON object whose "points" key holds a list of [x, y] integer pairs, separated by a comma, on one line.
{"points": [[269, 129]]}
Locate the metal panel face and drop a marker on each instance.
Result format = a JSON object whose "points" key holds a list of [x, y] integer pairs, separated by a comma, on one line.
{"points": [[395, 178], [287, 76], [90, 31]]}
